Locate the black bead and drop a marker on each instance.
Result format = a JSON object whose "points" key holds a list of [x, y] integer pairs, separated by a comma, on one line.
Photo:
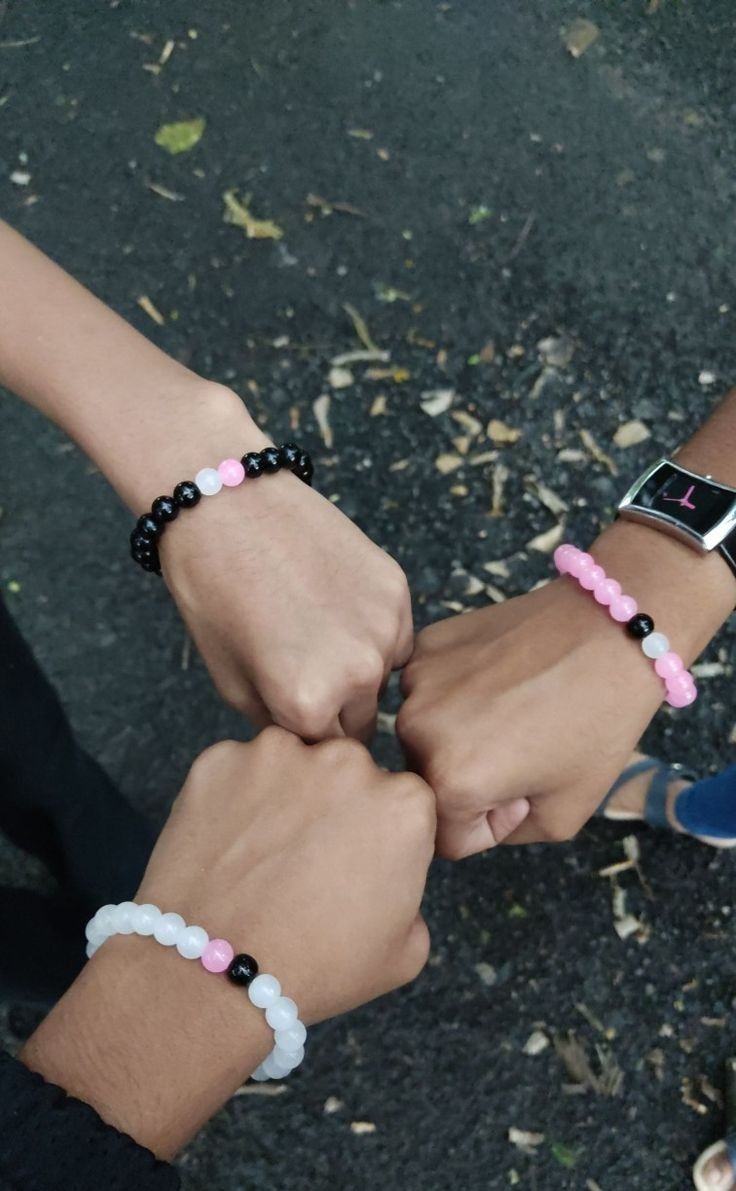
{"points": [[243, 969], [271, 459], [163, 509], [146, 525], [143, 552], [141, 541], [253, 464], [304, 468], [640, 626], [290, 453], [187, 494], [150, 564]]}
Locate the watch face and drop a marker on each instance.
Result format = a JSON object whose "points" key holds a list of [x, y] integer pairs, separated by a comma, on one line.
{"points": [[692, 501]]}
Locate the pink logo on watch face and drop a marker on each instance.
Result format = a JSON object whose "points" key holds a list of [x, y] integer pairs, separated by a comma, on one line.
{"points": [[683, 501]]}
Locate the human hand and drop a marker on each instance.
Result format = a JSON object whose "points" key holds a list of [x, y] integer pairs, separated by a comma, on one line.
{"points": [[311, 859], [544, 698], [298, 615]]}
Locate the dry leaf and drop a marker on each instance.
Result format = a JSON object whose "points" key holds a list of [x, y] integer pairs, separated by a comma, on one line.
{"points": [[547, 497], [332, 1104], [361, 328], [579, 36], [340, 378], [524, 1140], [459, 490], [147, 305], [500, 569], [500, 476], [630, 434], [468, 422], [447, 463], [500, 433], [487, 974], [546, 542], [536, 1043], [484, 457], [599, 455], [362, 1127], [181, 136], [556, 350], [238, 214], [399, 465], [379, 406], [461, 444], [437, 401], [321, 408], [164, 192]]}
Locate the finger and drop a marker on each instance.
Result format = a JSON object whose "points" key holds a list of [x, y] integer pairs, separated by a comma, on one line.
{"points": [[544, 825], [507, 817], [358, 716], [457, 839], [404, 647]]}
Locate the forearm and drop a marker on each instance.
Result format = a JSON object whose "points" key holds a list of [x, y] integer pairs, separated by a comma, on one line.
{"points": [[143, 418], [154, 1045]]}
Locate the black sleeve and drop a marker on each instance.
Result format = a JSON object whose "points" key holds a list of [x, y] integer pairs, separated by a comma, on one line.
{"points": [[51, 1142]]}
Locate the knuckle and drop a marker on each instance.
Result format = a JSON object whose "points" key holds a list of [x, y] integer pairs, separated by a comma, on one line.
{"points": [[342, 751], [307, 712], [366, 670], [418, 800], [214, 759], [274, 738]]}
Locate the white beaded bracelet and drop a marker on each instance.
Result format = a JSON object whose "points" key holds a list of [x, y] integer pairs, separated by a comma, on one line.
{"points": [[215, 955]]}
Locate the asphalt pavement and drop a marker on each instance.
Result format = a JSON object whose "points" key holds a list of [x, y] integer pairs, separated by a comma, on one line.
{"points": [[533, 217]]}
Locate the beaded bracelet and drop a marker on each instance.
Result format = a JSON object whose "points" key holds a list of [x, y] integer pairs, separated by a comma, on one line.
{"points": [[215, 955], [680, 686], [208, 482]]}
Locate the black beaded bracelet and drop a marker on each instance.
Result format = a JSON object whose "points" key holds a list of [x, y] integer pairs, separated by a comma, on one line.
{"points": [[209, 481]]}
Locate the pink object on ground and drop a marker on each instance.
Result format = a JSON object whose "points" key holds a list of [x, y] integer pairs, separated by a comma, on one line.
{"points": [[231, 472], [217, 955]]}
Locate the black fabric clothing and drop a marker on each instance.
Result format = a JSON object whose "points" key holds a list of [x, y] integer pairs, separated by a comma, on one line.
{"points": [[57, 803], [51, 1142]]}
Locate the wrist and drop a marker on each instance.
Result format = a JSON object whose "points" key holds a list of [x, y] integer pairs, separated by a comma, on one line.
{"points": [[193, 424], [690, 595], [149, 1043]]}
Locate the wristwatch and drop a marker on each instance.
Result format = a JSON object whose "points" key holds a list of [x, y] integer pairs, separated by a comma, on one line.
{"points": [[693, 508]]}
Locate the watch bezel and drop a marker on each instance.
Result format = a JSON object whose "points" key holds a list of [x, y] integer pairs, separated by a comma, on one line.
{"points": [[711, 540]]}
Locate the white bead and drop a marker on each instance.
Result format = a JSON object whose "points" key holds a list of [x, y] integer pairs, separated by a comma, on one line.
{"points": [[265, 990], [145, 918], [168, 929], [291, 1038], [192, 942], [655, 645], [273, 1069], [209, 481], [288, 1059], [104, 918], [122, 918], [90, 949], [259, 1074], [282, 1013], [93, 934]]}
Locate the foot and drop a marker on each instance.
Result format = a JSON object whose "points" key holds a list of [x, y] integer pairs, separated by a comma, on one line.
{"points": [[629, 802]]}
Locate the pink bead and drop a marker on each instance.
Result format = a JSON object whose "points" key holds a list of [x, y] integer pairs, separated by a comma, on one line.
{"points": [[623, 608], [217, 955], [580, 563], [590, 579], [682, 698], [231, 472], [682, 681], [563, 556], [607, 591], [669, 664]]}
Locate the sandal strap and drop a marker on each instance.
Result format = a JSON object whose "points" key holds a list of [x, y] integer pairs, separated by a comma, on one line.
{"points": [[628, 774]]}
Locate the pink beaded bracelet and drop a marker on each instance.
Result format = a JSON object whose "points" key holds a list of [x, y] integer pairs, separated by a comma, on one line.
{"points": [[679, 682]]}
